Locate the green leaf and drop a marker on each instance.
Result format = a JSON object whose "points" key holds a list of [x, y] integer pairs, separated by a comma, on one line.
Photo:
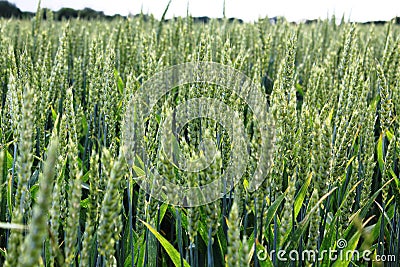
{"points": [[163, 210], [54, 114], [345, 256], [172, 252], [85, 203], [389, 135], [301, 196], [301, 229], [139, 162], [327, 241], [298, 203], [151, 250], [263, 257], [85, 177], [34, 190], [120, 83], [299, 89], [272, 209], [245, 184], [9, 160], [3, 252], [85, 127], [128, 261], [158, 118], [139, 172], [222, 242], [140, 256], [201, 228]]}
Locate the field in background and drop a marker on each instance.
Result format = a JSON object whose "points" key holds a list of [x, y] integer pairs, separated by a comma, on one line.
{"points": [[68, 197]]}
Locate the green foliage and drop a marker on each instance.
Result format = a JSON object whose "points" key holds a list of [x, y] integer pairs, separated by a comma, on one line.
{"points": [[333, 92]]}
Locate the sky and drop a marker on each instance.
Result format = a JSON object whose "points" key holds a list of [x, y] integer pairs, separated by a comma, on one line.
{"points": [[248, 10]]}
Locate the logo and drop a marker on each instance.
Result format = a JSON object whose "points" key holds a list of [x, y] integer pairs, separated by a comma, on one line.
{"points": [[178, 112]]}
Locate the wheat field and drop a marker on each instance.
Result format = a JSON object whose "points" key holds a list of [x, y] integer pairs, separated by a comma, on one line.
{"points": [[70, 196]]}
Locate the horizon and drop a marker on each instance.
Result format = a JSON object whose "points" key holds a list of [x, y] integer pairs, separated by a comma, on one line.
{"points": [[248, 11]]}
